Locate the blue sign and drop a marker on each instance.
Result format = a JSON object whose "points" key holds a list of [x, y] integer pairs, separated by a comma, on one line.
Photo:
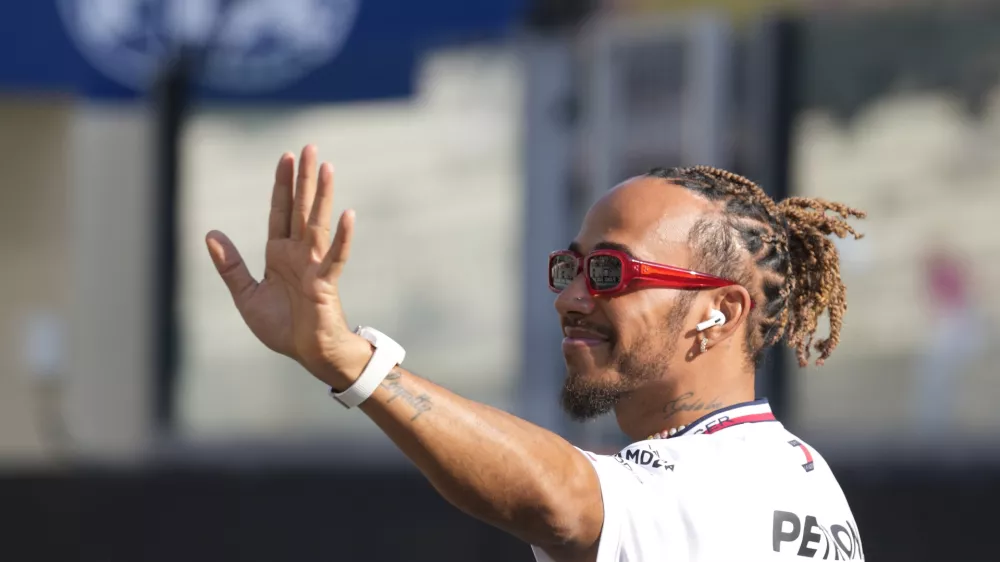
{"points": [[254, 50]]}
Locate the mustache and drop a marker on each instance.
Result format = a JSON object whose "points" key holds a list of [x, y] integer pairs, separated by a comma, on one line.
{"points": [[580, 323]]}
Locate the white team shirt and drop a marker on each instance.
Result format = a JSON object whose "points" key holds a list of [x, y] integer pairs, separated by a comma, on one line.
{"points": [[734, 486]]}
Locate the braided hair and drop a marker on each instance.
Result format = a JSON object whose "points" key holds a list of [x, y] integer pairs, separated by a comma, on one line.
{"points": [[794, 271]]}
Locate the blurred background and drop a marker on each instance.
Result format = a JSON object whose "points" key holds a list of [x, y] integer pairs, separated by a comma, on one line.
{"points": [[141, 420]]}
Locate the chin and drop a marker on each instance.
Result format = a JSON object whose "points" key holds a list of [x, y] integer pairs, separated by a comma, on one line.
{"points": [[590, 393]]}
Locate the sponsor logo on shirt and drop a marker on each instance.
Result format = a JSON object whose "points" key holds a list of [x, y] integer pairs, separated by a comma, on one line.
{"points": [[643, 457], [807, 537]]}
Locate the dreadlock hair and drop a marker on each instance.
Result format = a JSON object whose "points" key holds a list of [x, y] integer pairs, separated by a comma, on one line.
{"points": [[794, 271]]}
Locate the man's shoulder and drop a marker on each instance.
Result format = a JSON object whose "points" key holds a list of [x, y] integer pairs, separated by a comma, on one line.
{"points": [[762, 452]]}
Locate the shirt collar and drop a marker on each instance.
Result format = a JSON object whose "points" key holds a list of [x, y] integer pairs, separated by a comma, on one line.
{"points": [[737, 414]]}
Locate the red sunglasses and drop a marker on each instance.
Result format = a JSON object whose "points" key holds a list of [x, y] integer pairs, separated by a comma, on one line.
{"points": [[612, 271]]}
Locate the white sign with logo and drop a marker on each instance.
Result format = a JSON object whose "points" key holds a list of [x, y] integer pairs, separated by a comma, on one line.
{"points": [[258, 46]]}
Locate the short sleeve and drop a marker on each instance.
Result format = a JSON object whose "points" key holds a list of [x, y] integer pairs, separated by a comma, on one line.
{"points": [[640, 513], [617, 484]]}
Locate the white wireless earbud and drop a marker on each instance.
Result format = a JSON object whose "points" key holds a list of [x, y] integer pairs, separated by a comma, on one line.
{"points": [[715, 318]]}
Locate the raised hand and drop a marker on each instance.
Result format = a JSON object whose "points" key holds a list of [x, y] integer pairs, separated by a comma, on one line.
{"points": [[496, 467], [295, 310]]}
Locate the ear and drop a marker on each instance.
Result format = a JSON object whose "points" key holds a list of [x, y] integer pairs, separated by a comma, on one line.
{"points": [[735, 303]]}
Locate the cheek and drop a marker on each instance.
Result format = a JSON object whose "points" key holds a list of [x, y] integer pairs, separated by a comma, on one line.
{"points": [[638, 317]]}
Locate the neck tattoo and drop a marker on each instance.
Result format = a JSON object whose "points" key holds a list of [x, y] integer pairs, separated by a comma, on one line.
{"points": [[686, 402]]}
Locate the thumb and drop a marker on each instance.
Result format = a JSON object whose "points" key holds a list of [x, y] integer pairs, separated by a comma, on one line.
{"points": [[230, 266]]}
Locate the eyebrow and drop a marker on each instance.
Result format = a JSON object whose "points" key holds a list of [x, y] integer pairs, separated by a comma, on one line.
{"points": [[575, 247]]}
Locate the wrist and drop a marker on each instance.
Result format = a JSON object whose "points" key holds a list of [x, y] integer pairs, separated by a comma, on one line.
{"points": [[387, 355], [342, 367]]}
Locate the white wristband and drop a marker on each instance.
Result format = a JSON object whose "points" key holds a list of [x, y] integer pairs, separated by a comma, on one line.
{"points": [[387, 355]]}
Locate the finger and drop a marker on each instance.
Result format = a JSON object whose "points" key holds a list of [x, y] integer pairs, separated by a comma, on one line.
{"points": [[305, 191], [340, 250], [322, 210], [280, 222], [231, 267]]}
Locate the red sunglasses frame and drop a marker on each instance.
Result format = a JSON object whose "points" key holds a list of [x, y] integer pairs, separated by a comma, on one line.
{"points": [[639, 274]]}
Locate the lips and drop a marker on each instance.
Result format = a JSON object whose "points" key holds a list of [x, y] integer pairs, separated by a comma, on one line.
{"points": [[579, 338], [583, 334]]}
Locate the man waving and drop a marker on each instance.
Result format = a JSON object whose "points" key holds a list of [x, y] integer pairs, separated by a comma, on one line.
{"points": [[674, 286]]}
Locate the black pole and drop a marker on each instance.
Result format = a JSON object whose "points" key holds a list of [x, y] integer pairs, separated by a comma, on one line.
{"points": [[172, 100]]}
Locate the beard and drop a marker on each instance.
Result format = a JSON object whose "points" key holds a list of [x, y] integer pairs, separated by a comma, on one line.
{"points": [[586, 397]]}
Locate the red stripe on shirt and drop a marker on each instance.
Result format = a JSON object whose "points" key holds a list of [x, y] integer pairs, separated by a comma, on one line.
{"points": [[752, 418], [809, 457]]}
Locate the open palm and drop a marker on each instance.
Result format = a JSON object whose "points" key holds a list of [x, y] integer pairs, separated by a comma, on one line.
{"points": [[295, 310]]}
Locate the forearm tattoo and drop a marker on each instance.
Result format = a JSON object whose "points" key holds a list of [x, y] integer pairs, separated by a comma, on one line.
{"points": [[421, 403]]}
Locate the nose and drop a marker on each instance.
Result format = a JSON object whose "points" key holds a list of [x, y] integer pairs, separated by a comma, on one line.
{"points": [[575, 298]]}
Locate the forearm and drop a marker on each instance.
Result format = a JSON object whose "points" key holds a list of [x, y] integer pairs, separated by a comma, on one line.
{"points": [[503, 470]]}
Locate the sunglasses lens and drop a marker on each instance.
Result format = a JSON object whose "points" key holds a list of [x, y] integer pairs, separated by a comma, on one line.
{"points": [[605, 272], [562, 271]]}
